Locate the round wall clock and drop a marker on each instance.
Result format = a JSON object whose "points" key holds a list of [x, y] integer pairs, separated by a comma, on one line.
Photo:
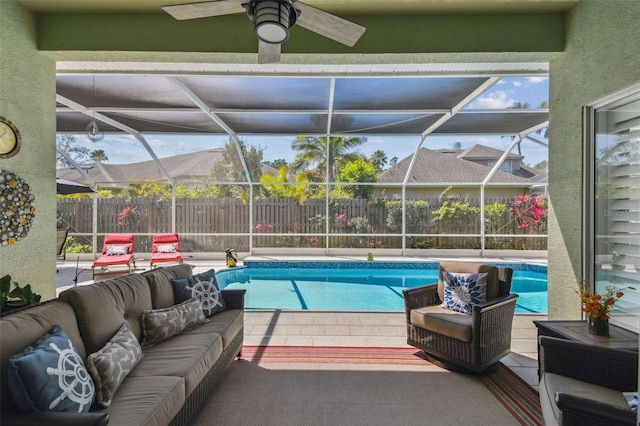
{"points": [[10, 139]]}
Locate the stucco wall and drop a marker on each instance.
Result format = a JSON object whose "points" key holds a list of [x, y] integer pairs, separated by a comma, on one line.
{"points": [[27, 88], [602, 56]]}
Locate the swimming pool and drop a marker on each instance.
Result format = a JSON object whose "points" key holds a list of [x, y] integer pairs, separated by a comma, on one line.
{"points": [[358, 286]]}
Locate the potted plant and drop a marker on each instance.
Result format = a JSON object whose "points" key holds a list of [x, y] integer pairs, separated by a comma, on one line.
{"points": [[16, 297], [597, 307]]}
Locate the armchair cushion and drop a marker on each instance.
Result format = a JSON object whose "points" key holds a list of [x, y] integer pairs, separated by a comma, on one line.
{"points": [[463, 291], [443, 321], [551, 383]]}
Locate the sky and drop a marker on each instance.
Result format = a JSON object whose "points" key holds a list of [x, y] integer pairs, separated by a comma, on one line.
{"points": [[124, 149]]}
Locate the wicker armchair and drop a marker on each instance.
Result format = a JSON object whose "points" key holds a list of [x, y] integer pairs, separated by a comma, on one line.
{"points": [[457, 341], [582, 384]]}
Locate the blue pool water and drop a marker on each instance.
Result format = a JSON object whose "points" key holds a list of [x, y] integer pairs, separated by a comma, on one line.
{"points": [[356, 286]]}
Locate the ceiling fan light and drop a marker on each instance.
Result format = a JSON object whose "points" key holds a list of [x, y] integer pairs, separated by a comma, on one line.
{"points": [[272, 19]]}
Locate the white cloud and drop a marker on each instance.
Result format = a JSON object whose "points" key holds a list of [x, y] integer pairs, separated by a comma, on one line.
{"points": [[495, 100], [537, 80], [517, 83]]}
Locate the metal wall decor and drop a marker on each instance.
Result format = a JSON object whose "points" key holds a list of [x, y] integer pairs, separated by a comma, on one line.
{"points": [[17, 208]]}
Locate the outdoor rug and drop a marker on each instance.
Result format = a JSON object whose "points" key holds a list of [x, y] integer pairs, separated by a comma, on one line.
{"points": [[294, 385]]}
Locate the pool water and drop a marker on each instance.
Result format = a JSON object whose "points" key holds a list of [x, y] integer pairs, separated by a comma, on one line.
{"points": [[337, 289]]}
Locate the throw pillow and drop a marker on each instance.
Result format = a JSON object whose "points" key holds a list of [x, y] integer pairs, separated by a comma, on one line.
{"points": [[462, 291], [166, 248], [50, 376], [160, 324], [116, 250], [111, 364], [632, 400], [202, 286]]}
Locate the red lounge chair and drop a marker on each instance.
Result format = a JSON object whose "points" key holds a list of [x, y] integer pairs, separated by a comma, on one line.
{"points": [[117, 250], [165, 248]]}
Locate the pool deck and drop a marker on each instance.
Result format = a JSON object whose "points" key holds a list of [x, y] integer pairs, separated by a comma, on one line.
{"points": [[320, 328]]}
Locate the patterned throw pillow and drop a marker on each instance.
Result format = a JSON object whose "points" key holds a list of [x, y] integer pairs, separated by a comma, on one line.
{"points": [[111, 364], [632, 400], [50, 376], [116, 250], [202, 286], [160, 324], [166, 248], [462, 291]]}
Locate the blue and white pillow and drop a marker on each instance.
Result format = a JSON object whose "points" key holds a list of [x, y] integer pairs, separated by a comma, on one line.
{"points": [[462, 291], [632, 399], [166, 248], [50, 376], [117, 250], [201, 286]]}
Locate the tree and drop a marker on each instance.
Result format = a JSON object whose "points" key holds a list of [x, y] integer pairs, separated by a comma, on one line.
{"points": [[378, 160], [277, 186], [276, 164], [312, 151], [358, 171], [543, 165], [393, 161], [230, 168], [98, 156], [69, 144]]}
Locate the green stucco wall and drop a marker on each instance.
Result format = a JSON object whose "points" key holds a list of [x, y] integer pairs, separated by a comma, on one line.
{"points": [[27, 98], [602, 56]]}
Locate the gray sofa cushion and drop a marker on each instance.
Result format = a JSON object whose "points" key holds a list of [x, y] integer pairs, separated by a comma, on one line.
{"points": [[148, 401], [102, 308], [187, 355], [551, 383], [443, 321], [228, 324], [23, 329], [160, 283]]}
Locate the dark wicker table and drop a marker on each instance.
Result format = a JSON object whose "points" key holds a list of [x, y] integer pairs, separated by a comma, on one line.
{"points": [[577, 331]]}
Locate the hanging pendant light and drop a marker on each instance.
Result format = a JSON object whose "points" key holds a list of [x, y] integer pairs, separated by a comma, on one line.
{"points": [[93, 132], [272, 19]]}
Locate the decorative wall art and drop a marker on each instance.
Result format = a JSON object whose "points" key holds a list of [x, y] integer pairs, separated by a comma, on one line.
{"points": [[17, 208]]}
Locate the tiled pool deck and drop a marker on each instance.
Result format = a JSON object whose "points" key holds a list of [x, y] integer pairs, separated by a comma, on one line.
{"points": [[319, 328]]}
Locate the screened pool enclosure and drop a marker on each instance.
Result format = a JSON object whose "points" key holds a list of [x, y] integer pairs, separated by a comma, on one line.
{"points": [[318, 160]]}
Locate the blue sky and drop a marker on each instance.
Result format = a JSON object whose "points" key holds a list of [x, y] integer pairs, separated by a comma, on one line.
{"points": [[123, 149]]}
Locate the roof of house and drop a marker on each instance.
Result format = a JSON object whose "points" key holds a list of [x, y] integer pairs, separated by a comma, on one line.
{"points": [[482, 152], [434, 166]]}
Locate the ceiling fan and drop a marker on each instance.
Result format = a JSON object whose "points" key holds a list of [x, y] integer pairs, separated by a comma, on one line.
{"points": [[272, 20]]}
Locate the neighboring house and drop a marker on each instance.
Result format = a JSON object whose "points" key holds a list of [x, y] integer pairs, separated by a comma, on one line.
{"points": [[463, 170], [192, 167]]}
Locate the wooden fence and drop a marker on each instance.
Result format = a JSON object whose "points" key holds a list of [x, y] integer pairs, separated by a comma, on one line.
{"points": [[212, 217]]}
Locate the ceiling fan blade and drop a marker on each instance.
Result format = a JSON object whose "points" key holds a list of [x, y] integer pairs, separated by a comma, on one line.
{"points": [[328, 25], [204, 9], [268, 53]]}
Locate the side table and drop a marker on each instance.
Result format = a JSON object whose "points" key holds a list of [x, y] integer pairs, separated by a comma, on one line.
{"points": [[577, 331]]}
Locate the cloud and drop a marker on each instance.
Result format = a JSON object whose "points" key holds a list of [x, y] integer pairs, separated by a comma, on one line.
{"points": [[537, 80], [495, 100]]}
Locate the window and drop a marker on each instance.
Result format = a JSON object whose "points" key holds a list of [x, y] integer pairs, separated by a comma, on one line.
{"points": [[613, 185]]}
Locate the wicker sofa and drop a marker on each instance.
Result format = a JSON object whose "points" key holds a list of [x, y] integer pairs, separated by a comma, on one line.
{"points": [[172, 379]]}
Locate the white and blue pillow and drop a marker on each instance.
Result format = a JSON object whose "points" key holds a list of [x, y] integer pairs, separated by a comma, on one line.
{"points": [[632, 400], [201, 286], [463, 291], [166, 248], [50, 376]]}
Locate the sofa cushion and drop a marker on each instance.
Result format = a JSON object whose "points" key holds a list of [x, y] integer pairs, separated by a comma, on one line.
{"points": [[117, 250], [161, 324], [187, 355], [50, 376], [153, 400], [202, 286], [443, 321], [551, 383], [160, 283], [111, 364], [463, 291], [101, 308], [24, 328], [228, 324]]}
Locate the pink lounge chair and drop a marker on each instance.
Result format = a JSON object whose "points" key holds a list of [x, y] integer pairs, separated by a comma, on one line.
{"points": [[165, 248], [117, 250]]}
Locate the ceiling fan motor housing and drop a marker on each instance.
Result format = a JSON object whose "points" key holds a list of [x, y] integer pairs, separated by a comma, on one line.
{"points": [[272, 19]]}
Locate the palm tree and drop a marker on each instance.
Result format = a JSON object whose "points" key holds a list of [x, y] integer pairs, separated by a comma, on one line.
{"points": [[378, 160], [312, 151], [98, 155]]}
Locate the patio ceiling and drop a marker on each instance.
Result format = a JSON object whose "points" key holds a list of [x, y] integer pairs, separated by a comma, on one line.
{"points": [[246, 104]]}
